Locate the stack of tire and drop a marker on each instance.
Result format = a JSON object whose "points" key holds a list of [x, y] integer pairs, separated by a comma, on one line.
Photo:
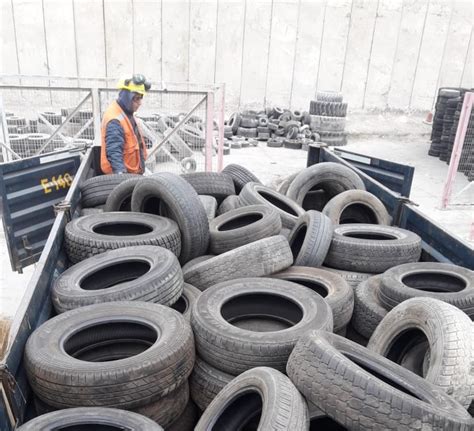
{"points": [[216, 278], [278, 127], [328, 118]]}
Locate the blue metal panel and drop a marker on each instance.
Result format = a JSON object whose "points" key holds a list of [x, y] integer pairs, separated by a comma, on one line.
{"points": [[35, 307], [29, 189]]}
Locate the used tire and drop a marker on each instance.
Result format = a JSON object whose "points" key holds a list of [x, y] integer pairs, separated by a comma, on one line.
{"points": [[252, 322], [120, 198], [365, 391], [376, 247], [257, 194], [432, 339], [185, 302], [240, 176], [331, 177], [260, 398], [91, 417], [195, 261], [310, 239], [206, 382], [229, 203], [188, 420], [106, 347], [449, 283], [210, 206], [356, 206], [352, 278], [368, 311], [242, 226], [335, 291], [172, 195], [141, 273], [96, 190], [217, 185], [257, 259], [97, 233]]}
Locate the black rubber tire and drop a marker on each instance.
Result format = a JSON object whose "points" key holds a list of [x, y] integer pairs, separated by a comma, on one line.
{"points": [[310, 239], [229, 203], [234, 122], [96, 190], [257, 259], [185, 302], [449, 283], [333, 288], [82, 239], [94, 336], [90, 416], [210, 206], [260, 398], [357, 206], [331, 177], [217, 185], [329, 124], [206, 382], [258, 194], [120, 198], [329, 96], [235, 349], [368, 311], [432, 339], [89, 211], [353, 278], [331, 109], [292, 143], [283, 186], [275, 143], [142, 273], [365, 391], [248, 122], [376, 247], [188, 420], [195, 261], [247, 133], [242, 226], [240, 176], [170, 194]]}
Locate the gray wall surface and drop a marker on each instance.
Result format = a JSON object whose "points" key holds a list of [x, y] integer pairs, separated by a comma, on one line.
{"points": [[383, 54]]}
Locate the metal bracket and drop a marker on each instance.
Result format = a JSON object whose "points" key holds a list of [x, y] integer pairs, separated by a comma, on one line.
{"points": [[63, 206]]}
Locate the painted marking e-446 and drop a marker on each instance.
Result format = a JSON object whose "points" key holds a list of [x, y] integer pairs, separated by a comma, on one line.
{"points": [[56, 183]]}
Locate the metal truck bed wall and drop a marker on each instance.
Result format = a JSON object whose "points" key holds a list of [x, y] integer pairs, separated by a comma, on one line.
{"points": [[35, 308]]}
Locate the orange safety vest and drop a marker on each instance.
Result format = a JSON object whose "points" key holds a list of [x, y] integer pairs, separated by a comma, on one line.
{"points": [[131, 147]]}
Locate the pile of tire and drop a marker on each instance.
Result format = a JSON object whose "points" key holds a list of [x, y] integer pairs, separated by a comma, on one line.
{"points": [[328, 118], [210, 301]]}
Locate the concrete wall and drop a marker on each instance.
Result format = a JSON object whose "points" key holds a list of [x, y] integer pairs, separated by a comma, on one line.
{"points": [[384, 54]]}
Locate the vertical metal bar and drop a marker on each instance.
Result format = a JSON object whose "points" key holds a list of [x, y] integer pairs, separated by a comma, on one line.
{"points": [[209, 130], [5, 137], [96, 115], [457, 147], [220, 148]]}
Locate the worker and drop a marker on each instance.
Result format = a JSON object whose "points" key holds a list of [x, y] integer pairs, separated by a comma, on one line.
{"points": [[123, 148]]}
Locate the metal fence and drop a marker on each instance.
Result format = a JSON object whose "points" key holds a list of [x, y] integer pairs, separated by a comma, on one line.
{"points": [[182, 123]]}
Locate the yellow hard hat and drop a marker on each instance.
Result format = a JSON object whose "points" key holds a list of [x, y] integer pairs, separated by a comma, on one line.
{"points": [[137, 84]]}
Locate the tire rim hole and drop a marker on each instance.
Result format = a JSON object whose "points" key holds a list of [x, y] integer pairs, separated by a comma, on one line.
{"points": [[411, 350], [261, 312], [315, 199], [111, 341], [243, 412], [325, 423], [240, 221], [377, 236], [434, 282], [87, 426], [298, 240], [151, 205], [277, 202], [181, 305], [126, 204], [314, 285], [122, 229], [112, 275], [358, 213]]}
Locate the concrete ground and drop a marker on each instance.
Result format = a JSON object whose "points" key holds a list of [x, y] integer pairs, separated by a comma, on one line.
{"points": [[399, 138]]}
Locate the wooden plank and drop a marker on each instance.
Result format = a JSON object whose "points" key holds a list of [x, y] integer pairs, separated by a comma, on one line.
{"points": [[467, 80], [147, 38], [384, 47], [119, 38], [359, 43], [90, 40], [457, 44], [409, 42], [175, 41], [255, 53], [202, 41], [308, 45], [430, 57], [282, 52], [230, 30], [333, 50]]}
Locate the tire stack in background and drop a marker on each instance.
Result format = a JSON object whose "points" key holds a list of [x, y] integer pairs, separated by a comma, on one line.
{"points": [[264, 301], [328, 118]]}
